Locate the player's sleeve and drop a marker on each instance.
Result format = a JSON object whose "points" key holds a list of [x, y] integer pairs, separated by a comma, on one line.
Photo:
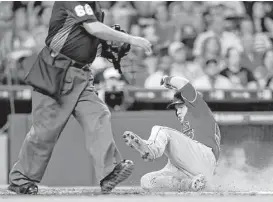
{"points": [[81, 11], [188, 93]]}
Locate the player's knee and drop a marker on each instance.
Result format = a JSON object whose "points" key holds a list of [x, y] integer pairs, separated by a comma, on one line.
{"points": [[146, 181], [156, 128], [105, 114]]}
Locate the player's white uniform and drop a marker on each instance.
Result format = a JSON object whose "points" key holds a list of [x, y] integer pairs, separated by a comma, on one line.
{"points": [[193, 151]]}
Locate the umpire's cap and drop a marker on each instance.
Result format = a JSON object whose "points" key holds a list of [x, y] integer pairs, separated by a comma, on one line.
{"points": [[176, 100]]}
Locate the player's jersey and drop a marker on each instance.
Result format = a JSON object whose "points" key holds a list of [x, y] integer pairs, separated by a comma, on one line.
{"points": [[66, 33], [199, 123]]}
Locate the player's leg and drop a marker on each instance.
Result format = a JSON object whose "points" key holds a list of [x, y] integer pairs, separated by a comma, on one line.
{"points": [[49, 119], [149, 149], [94, 117], [193, 158], [168, 179]]}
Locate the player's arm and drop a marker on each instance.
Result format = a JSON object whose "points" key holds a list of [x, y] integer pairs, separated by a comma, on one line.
{"points": [[180, 85]]}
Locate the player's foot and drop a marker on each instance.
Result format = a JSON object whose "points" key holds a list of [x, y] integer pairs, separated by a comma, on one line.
{"points": [[29, 188], [120, 173], [134, 141], [198, 183]]}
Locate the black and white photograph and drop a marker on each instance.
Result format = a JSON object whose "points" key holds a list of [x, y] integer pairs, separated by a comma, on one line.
{"points": [[136, 101]]}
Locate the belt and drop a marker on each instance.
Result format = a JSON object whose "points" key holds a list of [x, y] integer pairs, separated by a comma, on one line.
{"points": [[79, 65], [74, 63]]}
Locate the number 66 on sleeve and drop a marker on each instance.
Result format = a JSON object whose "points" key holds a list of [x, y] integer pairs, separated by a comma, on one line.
{"points": [[83, 10]]}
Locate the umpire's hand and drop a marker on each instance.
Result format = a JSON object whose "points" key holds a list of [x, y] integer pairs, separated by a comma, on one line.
{"points": [[142, 43]]}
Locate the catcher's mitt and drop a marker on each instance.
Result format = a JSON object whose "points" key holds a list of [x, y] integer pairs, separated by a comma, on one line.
{"points": [[114, 52]]}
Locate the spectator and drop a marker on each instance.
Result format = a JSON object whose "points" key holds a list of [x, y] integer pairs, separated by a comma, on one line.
{"points": [[5, 17], [106, 5], [146, 9], [254, 44], [216, 29], [33, 8], [109, 18], [40, 31], [180, 66], [264, 74], [262, 22], [188, 35], [164, 28], [212, 79], [123, 13], [239, 76], [163, 64], [211, 49], [18, 42], [228, 8], [22, 38], [185, 13]]}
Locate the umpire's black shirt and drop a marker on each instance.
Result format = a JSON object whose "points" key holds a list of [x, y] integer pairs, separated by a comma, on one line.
{"points": [[66, 33]]}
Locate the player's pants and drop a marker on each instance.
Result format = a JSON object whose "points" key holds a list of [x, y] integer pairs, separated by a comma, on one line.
{"points": [[49, 119], [187, 158]]}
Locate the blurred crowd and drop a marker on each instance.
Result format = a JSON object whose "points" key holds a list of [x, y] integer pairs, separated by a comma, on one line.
{"points": [[215, 45]]}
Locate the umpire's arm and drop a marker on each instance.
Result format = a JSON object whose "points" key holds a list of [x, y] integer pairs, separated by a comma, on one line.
{"points": [[106, 33]]}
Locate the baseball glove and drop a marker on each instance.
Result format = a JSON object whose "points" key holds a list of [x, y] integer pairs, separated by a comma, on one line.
{"points": [[114, 52]]}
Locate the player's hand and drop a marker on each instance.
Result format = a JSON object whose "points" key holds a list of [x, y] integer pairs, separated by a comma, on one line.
{"points": [[164, 81], [142, 43]]}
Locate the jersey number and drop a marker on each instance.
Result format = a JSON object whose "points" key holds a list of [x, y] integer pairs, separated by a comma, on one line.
{"points": [[83, 10]]}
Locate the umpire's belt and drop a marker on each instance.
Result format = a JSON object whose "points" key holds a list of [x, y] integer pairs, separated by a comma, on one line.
{"points": [[74, 63]]}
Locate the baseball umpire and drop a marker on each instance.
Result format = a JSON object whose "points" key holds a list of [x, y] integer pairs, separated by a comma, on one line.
{"points": [[63, 86]]}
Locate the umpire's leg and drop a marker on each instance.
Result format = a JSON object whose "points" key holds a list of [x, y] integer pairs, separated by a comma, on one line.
{"points": [[94, 117], [48, 120]]}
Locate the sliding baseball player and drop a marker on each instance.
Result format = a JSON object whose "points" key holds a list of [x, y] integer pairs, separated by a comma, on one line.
{"points": [[192, 152]]}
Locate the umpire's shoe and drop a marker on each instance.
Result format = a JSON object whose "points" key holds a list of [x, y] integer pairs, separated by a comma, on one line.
{"points": [[120, 173], [30, 188]]}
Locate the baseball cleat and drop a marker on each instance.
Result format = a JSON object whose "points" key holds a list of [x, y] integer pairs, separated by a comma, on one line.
{"points": [[198, 183], [137, 143], [120, 173], [29, 188]]}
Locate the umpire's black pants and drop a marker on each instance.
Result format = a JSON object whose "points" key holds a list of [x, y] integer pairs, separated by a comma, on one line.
{"points": [[49, 119]]}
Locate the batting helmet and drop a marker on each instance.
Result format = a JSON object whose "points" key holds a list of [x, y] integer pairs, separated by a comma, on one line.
{"points": [[176, 100]]}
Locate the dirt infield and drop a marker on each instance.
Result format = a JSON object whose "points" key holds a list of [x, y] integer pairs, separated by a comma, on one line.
{"points": [[131, 193], [139, 199]]}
